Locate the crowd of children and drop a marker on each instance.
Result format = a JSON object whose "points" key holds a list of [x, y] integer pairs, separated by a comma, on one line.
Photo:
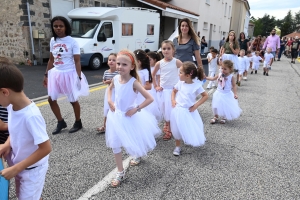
{"points": [[142, 87]]}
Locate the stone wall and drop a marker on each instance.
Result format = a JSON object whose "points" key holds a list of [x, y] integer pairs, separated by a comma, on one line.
{"points": [[15, 39]]}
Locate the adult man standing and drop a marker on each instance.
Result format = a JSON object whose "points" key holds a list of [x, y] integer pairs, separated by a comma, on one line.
{"points": [[221, 43], [272, 41]]}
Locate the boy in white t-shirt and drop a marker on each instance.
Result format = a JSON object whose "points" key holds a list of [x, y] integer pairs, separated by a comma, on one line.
{"points": [[27, 147], [242, 66], [268, 60], [249, 62], [212, 66]]}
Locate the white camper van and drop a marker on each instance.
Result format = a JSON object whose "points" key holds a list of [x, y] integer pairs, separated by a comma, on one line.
{"points": [[102, 30]]}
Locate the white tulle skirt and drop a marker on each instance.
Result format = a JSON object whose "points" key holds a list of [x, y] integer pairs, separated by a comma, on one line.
{"points": [[225, 105], [106, 106], [233, 58], [165, 103], [152, 108], [136, 134], [187, 126], [66, 83]]}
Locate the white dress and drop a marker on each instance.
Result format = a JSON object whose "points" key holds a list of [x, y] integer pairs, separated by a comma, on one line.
{"points": [[168, 78], [136, 133], [63, 79], [255, 62], [153, 107], [223, 103], [108, 75], [186, 125]]}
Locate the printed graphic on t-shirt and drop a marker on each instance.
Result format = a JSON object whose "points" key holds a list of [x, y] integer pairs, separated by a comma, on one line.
{"points": [[58, 50]]}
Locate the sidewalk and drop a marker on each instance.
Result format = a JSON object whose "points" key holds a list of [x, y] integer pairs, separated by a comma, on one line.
{"points": [[253, 157]]}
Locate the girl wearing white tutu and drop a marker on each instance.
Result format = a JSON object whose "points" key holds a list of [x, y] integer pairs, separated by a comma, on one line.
{"points": [[230, 51], [107, 77], [186, 123], [63, 75], [224, 103], [146, 80], [168, 67], [128, 125]]}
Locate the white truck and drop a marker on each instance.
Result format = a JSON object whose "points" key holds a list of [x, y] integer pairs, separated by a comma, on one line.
{"points": [[102, 30]]}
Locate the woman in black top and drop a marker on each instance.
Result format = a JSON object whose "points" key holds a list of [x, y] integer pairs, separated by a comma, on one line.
{"points": [[203, 45], [243, 42]]}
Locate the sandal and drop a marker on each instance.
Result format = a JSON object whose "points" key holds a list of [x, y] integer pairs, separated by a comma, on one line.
{"points": [[167, 136], [135, 161], [119, 178], [101, 129], [214, 120], [222, 121]]}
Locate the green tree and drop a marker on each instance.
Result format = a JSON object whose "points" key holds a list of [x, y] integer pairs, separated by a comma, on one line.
{"points": [[297, 21], [288, 24]]}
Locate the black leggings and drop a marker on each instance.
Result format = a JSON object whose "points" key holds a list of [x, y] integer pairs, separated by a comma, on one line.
{"points": [[294, 53]]}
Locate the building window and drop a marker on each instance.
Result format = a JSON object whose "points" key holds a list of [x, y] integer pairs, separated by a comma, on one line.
{"points": [[229, 10], [214, 28], [150, 29], [103, 4], [225, 9], [207, 2], [127, 29], [219, 29], [205, 25], [97, 4]]}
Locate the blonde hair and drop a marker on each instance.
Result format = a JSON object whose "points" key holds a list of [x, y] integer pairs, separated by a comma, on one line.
{"points": [[134, 62], [191, 31]]}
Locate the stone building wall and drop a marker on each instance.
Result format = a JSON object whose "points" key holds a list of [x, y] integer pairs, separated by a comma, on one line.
{"points": [[15, 39]]}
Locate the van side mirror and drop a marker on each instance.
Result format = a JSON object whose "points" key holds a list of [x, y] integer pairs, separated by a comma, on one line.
{"points": [[101, 37]]}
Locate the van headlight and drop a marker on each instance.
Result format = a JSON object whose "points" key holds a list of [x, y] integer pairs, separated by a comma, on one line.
{"points": [[81, 51]]}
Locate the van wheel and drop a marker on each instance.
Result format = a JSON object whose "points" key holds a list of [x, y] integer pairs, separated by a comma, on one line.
{"points": [[95, 62]]}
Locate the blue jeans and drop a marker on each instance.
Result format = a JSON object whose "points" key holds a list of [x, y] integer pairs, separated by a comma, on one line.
{"points": [[280, 53], [202, 51]]}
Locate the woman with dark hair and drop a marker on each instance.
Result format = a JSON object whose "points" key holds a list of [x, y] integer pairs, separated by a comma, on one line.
{"points": [[187, 43], [203, 45], [282, 47], [243, 42], [63, 75]]}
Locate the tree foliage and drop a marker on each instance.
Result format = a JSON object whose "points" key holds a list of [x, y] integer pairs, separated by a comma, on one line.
{"points": [[287, 25]]}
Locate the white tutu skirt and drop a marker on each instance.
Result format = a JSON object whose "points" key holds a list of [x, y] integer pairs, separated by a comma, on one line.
{"points": [[165, 103], [233, 58], [66, 83], [152, 108], [187, 126], [106, 106], [136, 134], [225, 105]]}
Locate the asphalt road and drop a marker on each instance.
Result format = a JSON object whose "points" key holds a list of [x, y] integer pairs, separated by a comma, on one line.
{"points": [[253, 157], [34, 75]]}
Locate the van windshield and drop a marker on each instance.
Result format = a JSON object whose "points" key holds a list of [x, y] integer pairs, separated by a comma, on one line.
{"points": [[84, 28]]}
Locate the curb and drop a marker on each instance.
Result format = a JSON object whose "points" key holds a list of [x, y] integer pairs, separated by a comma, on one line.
{"points": [[35, 100]]}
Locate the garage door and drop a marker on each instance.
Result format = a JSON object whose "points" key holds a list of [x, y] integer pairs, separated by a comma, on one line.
{"points": [[61, 7]]}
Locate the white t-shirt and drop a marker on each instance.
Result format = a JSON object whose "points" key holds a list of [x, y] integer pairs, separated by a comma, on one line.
{"points": [[248, 60], [256, 59], [27, 129], [213, 64], [144, 76], [268, 57], [187, 93], [63, 51], [242, 63]]}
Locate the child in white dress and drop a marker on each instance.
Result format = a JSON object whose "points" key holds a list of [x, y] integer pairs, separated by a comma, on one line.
{"points": [[212, 66], [249, 64], [186, 123], [255, 62], [168, 67], [128, 125], [107, 77], [268, 60], [224, 103], [146, 80], [242, 66]]}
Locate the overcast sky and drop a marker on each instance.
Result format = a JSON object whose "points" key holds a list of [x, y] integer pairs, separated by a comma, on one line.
{"points": [[276, 8]]}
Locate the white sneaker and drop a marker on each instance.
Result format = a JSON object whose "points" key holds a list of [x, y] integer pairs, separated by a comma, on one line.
{"points": [[176, 151]]}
